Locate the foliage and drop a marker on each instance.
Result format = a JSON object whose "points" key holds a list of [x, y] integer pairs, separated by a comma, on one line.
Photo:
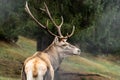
{"points": [[9, 20], [96, 21], [103, 36]]}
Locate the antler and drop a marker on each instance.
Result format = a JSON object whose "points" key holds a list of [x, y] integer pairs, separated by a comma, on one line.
{"points": [[69, 35], [57, 26], [46, 27]]}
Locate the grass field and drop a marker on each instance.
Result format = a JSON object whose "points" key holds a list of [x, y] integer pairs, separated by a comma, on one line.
{"points": [[12, 55], [94, 66], [8, 78]]}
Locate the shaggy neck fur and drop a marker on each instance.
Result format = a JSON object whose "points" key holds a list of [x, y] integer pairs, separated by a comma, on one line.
{"points": [[54, 56]]}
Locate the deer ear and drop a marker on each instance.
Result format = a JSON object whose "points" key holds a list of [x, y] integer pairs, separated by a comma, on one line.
{"points": [[56, 40]]}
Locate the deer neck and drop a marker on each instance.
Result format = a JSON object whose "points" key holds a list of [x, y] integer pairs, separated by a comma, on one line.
{"points": [[54, 56]]}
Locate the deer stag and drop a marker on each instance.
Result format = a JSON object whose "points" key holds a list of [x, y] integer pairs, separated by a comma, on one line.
{"points": [[41, 65]]}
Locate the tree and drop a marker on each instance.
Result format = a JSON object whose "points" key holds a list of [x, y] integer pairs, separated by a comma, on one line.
{"points": [[9, 20]]}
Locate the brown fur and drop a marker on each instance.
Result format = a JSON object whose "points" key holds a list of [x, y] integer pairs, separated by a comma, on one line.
{"points": [[49, 59], [53, 54], [39, 57], [35, 73]]}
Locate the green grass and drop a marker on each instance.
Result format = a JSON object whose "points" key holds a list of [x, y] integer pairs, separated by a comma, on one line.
{"points": [[5, 78], [24, 48], [12, 55], [92, 65]]}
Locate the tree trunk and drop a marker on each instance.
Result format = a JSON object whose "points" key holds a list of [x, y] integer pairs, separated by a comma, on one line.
{"points": [[43, 42]]}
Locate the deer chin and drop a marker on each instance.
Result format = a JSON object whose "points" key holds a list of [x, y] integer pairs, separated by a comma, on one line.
{"points": [[66, 55]]}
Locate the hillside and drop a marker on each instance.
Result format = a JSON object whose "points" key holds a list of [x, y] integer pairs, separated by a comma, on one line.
{"points": [[92, 66], [85, 67], [12, 56]]}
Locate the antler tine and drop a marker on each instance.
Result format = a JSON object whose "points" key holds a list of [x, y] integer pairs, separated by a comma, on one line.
{"points": [[61, 21], [73, 30], [58, 27], [48, 12], [44, 27], [29, 12]]}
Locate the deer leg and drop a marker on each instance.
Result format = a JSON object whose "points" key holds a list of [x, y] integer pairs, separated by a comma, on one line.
{"points": [[52, 73], [49, 75], [23, 75]]}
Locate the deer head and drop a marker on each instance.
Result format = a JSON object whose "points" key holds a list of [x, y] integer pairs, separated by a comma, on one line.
{"points": [[60, 41], [64, 48]]}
